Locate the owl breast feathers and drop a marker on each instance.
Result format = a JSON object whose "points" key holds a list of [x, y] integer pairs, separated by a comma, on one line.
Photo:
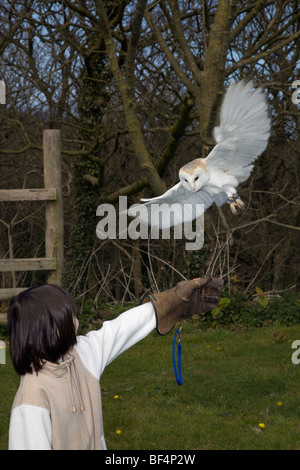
{"points": [[241, 137]]}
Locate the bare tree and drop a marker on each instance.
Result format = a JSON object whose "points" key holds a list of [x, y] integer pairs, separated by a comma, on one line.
{"points": [[136, 87]]}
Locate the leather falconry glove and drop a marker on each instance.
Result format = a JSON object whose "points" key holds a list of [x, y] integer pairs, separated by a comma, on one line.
{"points": [[186, 299]]}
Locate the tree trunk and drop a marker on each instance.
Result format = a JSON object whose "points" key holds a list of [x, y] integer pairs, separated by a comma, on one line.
{"points": [[213, 74]]}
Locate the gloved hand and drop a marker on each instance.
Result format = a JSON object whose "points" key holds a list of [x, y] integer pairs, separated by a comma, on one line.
{"points": [[186, 299]]}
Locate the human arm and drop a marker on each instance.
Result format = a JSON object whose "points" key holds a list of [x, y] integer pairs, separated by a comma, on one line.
{"points": [[160, 311], [30, 428], [100, 347]]}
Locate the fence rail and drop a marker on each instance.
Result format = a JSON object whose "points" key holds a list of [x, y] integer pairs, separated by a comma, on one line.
{"points": [[43, 194], [27, 264]]}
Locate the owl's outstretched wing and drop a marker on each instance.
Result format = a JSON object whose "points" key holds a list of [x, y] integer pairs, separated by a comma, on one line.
{"points": [[241, 137], [175, 206], [243, 132]]}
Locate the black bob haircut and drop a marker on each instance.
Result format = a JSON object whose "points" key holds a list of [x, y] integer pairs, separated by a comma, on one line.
{"points": [[41, 327]]}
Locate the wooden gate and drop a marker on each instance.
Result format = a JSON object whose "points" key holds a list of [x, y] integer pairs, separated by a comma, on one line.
{"points": [[54, 224]]}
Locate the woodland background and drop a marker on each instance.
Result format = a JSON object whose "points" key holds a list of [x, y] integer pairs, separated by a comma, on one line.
{"points": [[135, 88]]}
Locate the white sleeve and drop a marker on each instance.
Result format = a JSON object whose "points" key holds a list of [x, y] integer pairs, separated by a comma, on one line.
{"points": [[30, 428], [98, 348]]}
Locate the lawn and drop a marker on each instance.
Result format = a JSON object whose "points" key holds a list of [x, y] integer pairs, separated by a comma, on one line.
{"points": [[240, 391]]}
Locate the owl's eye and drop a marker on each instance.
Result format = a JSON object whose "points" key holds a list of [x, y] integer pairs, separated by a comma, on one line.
{"points": [[197, 177], [185, 180]]}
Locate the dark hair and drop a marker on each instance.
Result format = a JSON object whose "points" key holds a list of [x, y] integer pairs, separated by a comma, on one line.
{"points": [[41, 327]]}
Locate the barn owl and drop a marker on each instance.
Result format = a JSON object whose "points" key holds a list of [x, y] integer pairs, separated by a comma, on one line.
{"points": [[241, 137]]}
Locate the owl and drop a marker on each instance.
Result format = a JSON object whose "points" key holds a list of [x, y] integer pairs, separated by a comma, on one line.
{"points": [[241, 137]]}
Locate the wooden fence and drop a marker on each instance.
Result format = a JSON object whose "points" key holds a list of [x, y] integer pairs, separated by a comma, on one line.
{"points": [[54, 224]]}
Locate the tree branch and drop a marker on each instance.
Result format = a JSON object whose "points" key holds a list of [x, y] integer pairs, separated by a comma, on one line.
{"points": [[127, 92], [175, 23], [264, 54], [175, 132], [170, 57], [133, 42]]}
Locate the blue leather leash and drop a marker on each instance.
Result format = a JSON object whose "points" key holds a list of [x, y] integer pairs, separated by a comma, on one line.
{"points": [[178, 375]]}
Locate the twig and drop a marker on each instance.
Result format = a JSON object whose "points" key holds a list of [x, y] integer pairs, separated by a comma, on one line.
{"points": [[150, 266], [258, 271]]}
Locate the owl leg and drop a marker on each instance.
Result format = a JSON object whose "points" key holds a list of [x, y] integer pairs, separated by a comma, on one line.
{"points": [[236, 204]]}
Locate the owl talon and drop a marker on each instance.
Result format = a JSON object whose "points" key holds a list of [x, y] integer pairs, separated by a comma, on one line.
{"points": [[236, 204]]}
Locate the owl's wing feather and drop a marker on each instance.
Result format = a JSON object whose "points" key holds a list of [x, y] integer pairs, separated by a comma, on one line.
{"points": [[243, 132], [175, 206]]}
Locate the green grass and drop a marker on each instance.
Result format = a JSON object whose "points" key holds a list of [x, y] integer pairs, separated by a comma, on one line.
{"points": [[9, 382], [231, 383]]}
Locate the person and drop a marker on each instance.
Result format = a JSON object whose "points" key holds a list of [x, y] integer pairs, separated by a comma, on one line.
{"points": [[58, 403]]}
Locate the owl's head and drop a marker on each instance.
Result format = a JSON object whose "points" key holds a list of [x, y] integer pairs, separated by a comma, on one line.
{"points": [[194, 175]]}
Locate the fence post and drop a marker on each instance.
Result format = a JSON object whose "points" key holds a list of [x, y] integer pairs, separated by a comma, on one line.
{"points": [[54, 233]]}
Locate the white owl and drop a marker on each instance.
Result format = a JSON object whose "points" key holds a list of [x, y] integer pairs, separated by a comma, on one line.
{"points": [[241, 137]]}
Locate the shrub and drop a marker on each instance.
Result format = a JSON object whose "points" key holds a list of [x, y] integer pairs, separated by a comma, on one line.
{"points": [[256, 311]]}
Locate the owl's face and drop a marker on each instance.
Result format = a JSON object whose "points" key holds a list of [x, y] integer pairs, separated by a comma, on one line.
{"points": [[193, 181]]}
